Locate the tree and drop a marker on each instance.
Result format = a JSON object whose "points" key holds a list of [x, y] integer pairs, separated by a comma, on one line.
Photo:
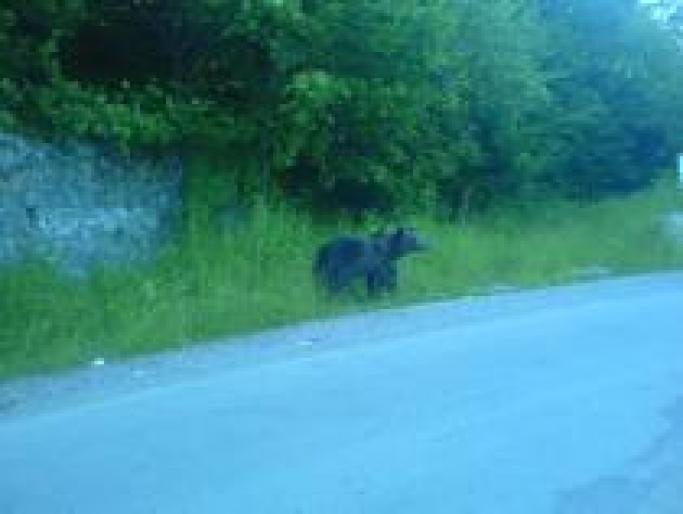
{"points": [[616, 83]]}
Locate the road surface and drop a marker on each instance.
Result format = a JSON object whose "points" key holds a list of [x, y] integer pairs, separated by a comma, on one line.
{"points": [[562, 401]]}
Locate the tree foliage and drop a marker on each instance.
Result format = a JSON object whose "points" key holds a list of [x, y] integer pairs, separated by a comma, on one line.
{"points": [[359, 104]]}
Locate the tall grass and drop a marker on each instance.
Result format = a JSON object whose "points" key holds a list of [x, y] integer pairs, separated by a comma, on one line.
{"points": [[215, 282], [207, 285]]}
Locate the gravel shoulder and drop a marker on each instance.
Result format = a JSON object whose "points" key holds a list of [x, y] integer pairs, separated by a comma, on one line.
{"points": [[102, 380]]}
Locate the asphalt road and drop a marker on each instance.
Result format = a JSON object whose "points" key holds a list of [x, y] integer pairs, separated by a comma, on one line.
{"points": [[566, 401]]}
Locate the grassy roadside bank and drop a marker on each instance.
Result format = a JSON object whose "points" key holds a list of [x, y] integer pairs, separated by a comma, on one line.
{"points": [[258, 275]]}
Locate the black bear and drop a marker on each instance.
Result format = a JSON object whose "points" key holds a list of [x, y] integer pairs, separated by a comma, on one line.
{"points": [[373, 258]]}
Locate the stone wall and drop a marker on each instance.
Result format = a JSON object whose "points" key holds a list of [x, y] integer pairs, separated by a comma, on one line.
{"points": [[78, 205]]}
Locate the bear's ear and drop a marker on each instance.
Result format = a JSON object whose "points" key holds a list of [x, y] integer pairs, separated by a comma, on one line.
{"points": [[396, 238]]}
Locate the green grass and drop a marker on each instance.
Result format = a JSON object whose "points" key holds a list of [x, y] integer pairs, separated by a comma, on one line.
{"points": [[257, 275]]}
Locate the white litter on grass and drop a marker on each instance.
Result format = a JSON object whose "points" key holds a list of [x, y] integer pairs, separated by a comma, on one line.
{"points": [[502, 288], [98, 362], [306, 343]]}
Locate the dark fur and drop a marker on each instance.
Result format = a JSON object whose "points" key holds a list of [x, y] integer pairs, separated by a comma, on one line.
{"points": [[373, 258]]}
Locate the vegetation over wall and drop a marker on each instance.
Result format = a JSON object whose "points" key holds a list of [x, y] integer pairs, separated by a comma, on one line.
{"points": [[444, 105]]}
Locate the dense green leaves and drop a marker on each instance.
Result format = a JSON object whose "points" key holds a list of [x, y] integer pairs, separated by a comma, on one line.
{"points": [[617, 84], [358, 104]]}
